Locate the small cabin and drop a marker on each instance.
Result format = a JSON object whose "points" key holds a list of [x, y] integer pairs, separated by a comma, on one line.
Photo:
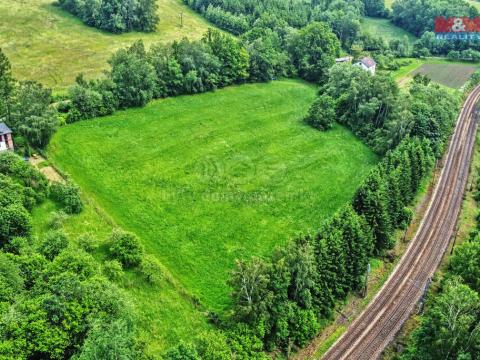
{"points": [[367, 64], [6, 139]]}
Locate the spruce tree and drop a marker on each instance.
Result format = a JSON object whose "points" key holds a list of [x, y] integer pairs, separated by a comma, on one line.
{"points": [[357, 244], [371, 201], [323, 300]]}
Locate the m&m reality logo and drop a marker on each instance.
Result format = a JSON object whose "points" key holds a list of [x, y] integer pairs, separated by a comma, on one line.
{"points": [[457, 28]]}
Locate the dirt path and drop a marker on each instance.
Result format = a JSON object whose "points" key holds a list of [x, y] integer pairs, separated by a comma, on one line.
{"points": [[49, 171]]}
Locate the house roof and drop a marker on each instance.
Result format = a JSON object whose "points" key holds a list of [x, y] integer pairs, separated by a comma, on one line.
{"points": [[4, 129], [368, 62]]}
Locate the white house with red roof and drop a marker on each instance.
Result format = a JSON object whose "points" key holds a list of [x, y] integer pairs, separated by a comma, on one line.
{"points": [[367, 64]]}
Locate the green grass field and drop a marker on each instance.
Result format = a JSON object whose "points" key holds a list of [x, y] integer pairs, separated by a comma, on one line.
{"points": [[453, 74], [206, 179], [47, 44], [385, 29]]}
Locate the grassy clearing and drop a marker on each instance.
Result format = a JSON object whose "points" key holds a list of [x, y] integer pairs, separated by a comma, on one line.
{"points": [[207, 179], [47, 44], [386, 29], [404, 71]]}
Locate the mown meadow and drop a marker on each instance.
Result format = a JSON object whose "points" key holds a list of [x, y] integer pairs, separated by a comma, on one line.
{"points": [[386, 29], [47, 44], [207, 179]]}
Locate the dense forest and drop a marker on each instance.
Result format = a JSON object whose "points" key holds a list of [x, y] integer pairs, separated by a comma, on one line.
{"points": [[115, 16], [418, 17]]}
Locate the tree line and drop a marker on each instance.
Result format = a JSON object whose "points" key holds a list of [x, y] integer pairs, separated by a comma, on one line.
{"points": [[272, 24], [376, 111], [139, 75], [115, 16], [270, 27], [239, 16]]}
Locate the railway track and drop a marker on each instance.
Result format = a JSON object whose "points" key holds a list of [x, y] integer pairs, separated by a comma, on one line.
{"points": [[375, 328]]}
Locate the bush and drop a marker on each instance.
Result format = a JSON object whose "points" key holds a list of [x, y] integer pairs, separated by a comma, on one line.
{"points": [[322, 113], [182, 352], [406, 217], [68, 195], [87, 242], [213, 345], [14, 221], [245, 344], [75, 261], [53, 243], [126, 248], [19, 170], [11, 283], [151, 269], [113, 270], [58, 219], [18, 246]]}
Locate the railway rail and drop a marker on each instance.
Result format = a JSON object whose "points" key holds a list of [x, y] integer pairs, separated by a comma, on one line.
{"points": [[375, 328]]}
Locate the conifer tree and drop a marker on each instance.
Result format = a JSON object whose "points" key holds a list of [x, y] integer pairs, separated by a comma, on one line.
{"points": [[371, 201], [357, 244], [324, 300]]}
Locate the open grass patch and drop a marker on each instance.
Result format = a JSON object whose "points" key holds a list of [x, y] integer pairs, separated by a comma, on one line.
{"points": [[47, 44], [207, 179], [386, 29]]}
